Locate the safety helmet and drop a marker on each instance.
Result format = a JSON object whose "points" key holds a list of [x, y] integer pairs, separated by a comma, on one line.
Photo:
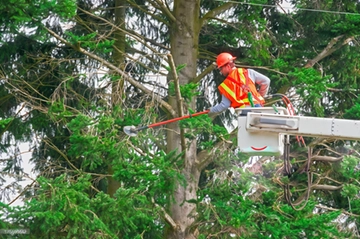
{"points": [[224, 58]]}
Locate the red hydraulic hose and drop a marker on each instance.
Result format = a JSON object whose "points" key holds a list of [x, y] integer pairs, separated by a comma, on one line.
{"points": [[291, 110]]}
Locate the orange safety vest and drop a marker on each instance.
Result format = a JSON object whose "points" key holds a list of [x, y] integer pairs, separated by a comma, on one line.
{"points": [[236, 86]]}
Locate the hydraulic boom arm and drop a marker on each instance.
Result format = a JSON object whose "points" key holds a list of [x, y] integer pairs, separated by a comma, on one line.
{"points": [[304, 126], [261, 130]]}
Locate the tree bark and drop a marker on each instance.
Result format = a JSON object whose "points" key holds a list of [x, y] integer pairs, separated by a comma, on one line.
{"points": [[117, 95], [184, 49]]}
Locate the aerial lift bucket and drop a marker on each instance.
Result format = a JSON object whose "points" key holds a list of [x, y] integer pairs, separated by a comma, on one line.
{"points": [[259, 143]]}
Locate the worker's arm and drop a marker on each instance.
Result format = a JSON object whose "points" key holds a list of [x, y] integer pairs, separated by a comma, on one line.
{"points": [[222, 106], [260, 79]]}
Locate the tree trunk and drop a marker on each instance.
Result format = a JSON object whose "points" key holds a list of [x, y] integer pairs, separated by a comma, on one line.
{"points": [[117, 86], [184, 47]]}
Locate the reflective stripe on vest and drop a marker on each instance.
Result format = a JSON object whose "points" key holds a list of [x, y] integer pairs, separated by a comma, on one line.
{"points": [[236, 86], [245, 100]]}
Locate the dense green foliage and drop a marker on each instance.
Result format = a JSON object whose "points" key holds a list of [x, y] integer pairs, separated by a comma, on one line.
{"points": [[58, 91]]}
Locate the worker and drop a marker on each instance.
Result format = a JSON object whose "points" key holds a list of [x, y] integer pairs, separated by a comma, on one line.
{"points": [[238, 90]]}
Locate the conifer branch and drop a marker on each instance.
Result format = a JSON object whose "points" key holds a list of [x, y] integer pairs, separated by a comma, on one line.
{"points": [[137, 37], [125, 76]]}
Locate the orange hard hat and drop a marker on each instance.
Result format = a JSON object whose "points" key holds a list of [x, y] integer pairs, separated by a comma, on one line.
{"points": [[224, 58]]}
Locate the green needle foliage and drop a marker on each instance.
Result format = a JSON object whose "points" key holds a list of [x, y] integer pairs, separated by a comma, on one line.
{"points": [[74, 73]]}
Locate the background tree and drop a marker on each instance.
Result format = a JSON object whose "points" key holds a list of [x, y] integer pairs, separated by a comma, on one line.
{"points": [[87, 72]]}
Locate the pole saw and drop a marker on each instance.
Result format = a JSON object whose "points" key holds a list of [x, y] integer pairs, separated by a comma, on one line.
{"points": [[132, 130]]}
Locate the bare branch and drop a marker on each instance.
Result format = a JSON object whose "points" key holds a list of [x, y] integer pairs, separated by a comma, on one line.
{"points": [[334, 209], [325, 187], [147, 40], [210, 68], [179, 99], [117, 70], [161, 6], [136, 37], [326, 158], [149, 13], [167, 217], [342, 90], [289, 15], [147, 56], [54, 147], [329, 49], [263, 68], [216, 11]]}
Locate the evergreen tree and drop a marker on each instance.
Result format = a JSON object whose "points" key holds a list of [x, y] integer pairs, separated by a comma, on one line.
{"points": [[74, 73]]}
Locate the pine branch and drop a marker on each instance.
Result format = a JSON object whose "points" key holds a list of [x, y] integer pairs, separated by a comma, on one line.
{"points": [[125, 76], [137, 37]]}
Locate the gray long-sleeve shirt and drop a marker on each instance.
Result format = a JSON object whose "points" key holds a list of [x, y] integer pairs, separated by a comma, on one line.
{"points": [[258, 78]]}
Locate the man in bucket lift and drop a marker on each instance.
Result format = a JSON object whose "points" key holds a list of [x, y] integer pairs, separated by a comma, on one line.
{"points": [[238, 90]]}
